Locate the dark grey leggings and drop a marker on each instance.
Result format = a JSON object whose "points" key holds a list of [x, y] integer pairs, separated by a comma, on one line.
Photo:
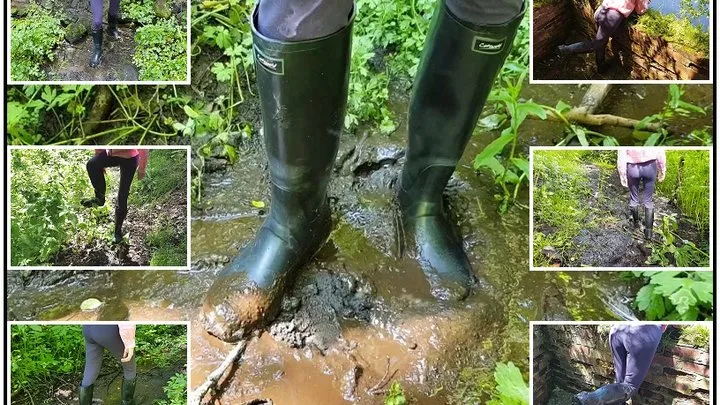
{"points": [[644, 173], [97, 339], [608, 21], [96, 6], [299, 20], [633, 348], [128, 166]]}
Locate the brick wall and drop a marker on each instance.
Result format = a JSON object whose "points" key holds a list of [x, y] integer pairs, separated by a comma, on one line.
{"points": [[579, 359], [648, 57]]}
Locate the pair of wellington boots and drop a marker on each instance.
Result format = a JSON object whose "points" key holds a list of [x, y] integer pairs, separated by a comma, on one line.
{"points": [[97, 36], [303, 90], [85, 395], [649, 219]]}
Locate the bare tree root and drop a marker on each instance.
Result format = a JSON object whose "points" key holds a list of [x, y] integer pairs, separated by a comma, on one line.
{"points": [[377, 389], [102, 105]]}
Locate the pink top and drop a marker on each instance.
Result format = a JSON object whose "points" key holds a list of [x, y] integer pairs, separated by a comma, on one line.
{"points": [[127, 334], [127, 154], [641, 155], [626, 7]]}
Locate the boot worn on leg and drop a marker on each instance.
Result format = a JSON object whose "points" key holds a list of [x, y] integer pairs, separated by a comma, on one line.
{"points": [[605, 395], [455, 76], [128, 391], [93, 202], [303, 93], [578, 47], [649, 220], [85, 395], [97, 36], [635, 217], [112, 30], [119, 219]]}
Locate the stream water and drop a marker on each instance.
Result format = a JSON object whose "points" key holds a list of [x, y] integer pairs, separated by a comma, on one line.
{"points": [[360, 308]]}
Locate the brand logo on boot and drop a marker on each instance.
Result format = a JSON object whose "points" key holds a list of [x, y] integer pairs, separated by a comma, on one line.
{"points": [[272, 65], [489, 46]]}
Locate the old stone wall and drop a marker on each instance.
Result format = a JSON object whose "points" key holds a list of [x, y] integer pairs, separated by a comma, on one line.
{"points": [[579, 359]]}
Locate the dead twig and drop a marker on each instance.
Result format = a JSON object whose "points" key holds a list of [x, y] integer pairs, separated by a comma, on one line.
{"points": [[377, 389], [212, 379]]}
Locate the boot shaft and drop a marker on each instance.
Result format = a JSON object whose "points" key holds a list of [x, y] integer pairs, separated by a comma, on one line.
{"points": [[128, 391], [85, 395], [455, 76], [303, 88]]}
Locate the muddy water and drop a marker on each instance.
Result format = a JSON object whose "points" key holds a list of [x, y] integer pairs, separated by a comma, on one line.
{"points": [[338, 360]]}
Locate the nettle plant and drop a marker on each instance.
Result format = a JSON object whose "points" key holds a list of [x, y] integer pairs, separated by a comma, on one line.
{"points": [[671, 250]]}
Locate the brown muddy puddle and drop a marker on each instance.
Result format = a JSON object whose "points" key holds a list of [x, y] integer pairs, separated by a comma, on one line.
{"points": [[428, 343]]}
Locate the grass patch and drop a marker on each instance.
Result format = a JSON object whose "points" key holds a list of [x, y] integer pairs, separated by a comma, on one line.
{"points": [[695, 335], [169, 248], [166, 173], [688, 178], [560, 186], [679, 31]]}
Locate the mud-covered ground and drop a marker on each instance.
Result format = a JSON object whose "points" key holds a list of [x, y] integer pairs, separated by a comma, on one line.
{"points": [[140, 222], [609, 239]]}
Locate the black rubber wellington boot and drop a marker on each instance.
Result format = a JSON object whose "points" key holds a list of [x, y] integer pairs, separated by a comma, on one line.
{"points": [[455, 76], [97, 37], [635, 217], [649, 220], [128, 391], [85, 395], [578, 47], [119, 220], [112, 30], [303, 90], [93, 202], [605, 395]]}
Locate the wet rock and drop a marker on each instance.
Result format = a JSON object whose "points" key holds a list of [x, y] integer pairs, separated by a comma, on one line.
{"points": [[75, 32], [19, 8], [310, 316]]}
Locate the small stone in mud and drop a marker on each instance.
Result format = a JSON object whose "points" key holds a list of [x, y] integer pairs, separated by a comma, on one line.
{"points": [[350, 382], [412, 345]]}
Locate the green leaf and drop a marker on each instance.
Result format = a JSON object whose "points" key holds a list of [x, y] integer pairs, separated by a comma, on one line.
{"points": [[190, 112], [653, 139], [510, 384], [562, 107], [494, 148], [523, 165], [683, 299], [703, 291], [257, 204]]}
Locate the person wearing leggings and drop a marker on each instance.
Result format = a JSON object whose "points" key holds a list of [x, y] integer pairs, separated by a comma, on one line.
{"points": [[633, 349], [608, 19], [641, 167], [302, 58], [119, 340], [128, 160], [113, 15]]}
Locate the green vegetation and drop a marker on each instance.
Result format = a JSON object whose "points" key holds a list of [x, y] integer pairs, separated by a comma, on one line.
{"points": [[161, 52], [46, 216], [45, 359], [672, 250], [674, 107], [675, 295], [678, 31], [687, 183], [695, 335], [32, 41], [395, 395], [503, 386]]}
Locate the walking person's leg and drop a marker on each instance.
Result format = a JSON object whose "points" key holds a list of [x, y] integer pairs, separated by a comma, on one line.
{"points": [[113, 17], [96, 7], [127, 173], [108, 336], [641, 345], [619, 355], [302, 56], [584, 46], [649, 175], [96, 172], [633, 176], [93, 363]]}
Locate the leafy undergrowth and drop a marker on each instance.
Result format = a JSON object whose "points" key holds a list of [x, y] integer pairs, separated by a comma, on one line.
{"points": [[47, 362], [676, 30], [161, 52], [32, 41], [675, 296], [504, 386], [50, 227]]}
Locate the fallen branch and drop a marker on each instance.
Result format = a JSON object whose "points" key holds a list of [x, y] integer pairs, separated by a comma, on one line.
{"points": [[212, 379], [377, 388], [580, 117]]}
